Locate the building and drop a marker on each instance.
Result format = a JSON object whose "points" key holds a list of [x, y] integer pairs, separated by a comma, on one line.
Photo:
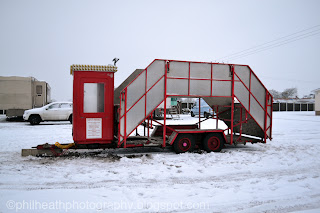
{"points": [[18, 94], [317, 101], [293, 104]]}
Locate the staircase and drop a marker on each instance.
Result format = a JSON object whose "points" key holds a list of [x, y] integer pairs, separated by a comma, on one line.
{"points": [[217, 84], [173, 111], [137, 100]]}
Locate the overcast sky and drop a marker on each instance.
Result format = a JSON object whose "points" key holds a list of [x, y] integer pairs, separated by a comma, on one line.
{"points": [[43, 38]]}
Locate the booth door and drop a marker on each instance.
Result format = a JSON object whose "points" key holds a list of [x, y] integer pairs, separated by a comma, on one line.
{"points": [[93, 108]]}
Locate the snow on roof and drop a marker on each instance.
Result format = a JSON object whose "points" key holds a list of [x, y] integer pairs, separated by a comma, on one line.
{"points": [[298, 100], [316, 90]]}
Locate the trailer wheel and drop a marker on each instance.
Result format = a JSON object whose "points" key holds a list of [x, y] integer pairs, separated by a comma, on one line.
{"points": [[192, 114], [34, 119], [184, 143], [213, 143]]}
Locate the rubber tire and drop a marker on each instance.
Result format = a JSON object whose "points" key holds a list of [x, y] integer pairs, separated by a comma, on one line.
{"points": [[34, 119], [179, 145], [192, 114], [70, 118], [213, 142]]}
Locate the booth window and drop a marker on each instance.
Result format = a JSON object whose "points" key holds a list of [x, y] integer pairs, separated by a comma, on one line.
{"points": [[93, 97], [39, 89]]}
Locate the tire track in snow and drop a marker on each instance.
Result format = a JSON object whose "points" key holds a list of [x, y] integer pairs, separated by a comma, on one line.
{"points": [[307, 172]]}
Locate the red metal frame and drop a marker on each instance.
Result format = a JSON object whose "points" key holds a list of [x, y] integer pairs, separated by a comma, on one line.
{"points": [[232, 104], [233, 96], [265, 128], [165, 106], [119, 144], [189, 77], [145, 97], [199, 113], [211, 80]]}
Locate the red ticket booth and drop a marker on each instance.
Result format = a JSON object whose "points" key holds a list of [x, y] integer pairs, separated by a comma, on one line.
{"points": [[93, 88]]}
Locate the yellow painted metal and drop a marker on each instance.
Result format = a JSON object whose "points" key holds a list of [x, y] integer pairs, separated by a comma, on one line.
{"points": [[57, 144]]}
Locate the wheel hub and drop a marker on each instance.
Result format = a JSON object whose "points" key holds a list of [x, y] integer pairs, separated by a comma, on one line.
{"points": [[213, 143], [184, 144]]}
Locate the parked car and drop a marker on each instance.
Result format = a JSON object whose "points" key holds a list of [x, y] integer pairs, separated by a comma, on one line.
{"points": [[205, 109], [56, 111]]}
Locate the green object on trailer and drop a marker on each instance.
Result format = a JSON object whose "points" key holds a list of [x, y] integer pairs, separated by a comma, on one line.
{"points": [[174, 101]]}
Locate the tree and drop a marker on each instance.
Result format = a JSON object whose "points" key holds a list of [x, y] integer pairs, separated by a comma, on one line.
{"points": [[276, 94], [290, 93], [287, 93]]}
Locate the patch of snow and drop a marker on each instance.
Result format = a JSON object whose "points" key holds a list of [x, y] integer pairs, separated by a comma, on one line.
{"points": [[280, 176]]}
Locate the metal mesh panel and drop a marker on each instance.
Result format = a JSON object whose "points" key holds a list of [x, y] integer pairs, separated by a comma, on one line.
{"points": [[242, 94], [122, 126], [154, 72], [258, 90], [257, 112], [200, 87], [244, 74], [269, 132], [269, 120], [221, 72], [200, 70], [155, 96], [122, 107], [179, 69], [135, 115], [136, 89], [221, 88], [177, 87]]}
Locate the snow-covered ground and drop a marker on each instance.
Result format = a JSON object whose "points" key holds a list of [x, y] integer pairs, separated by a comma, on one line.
{"points": [[280, 176]]}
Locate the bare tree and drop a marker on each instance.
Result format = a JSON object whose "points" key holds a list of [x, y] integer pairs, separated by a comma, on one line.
{"points": [[276, 94], [287, 93], [290, 93]]}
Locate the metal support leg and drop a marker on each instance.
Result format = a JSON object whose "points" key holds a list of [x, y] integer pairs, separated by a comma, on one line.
{"points": [[148, 127], [165, 106], [199, 114], [125, 119], [232, 106], [217, 119]]}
